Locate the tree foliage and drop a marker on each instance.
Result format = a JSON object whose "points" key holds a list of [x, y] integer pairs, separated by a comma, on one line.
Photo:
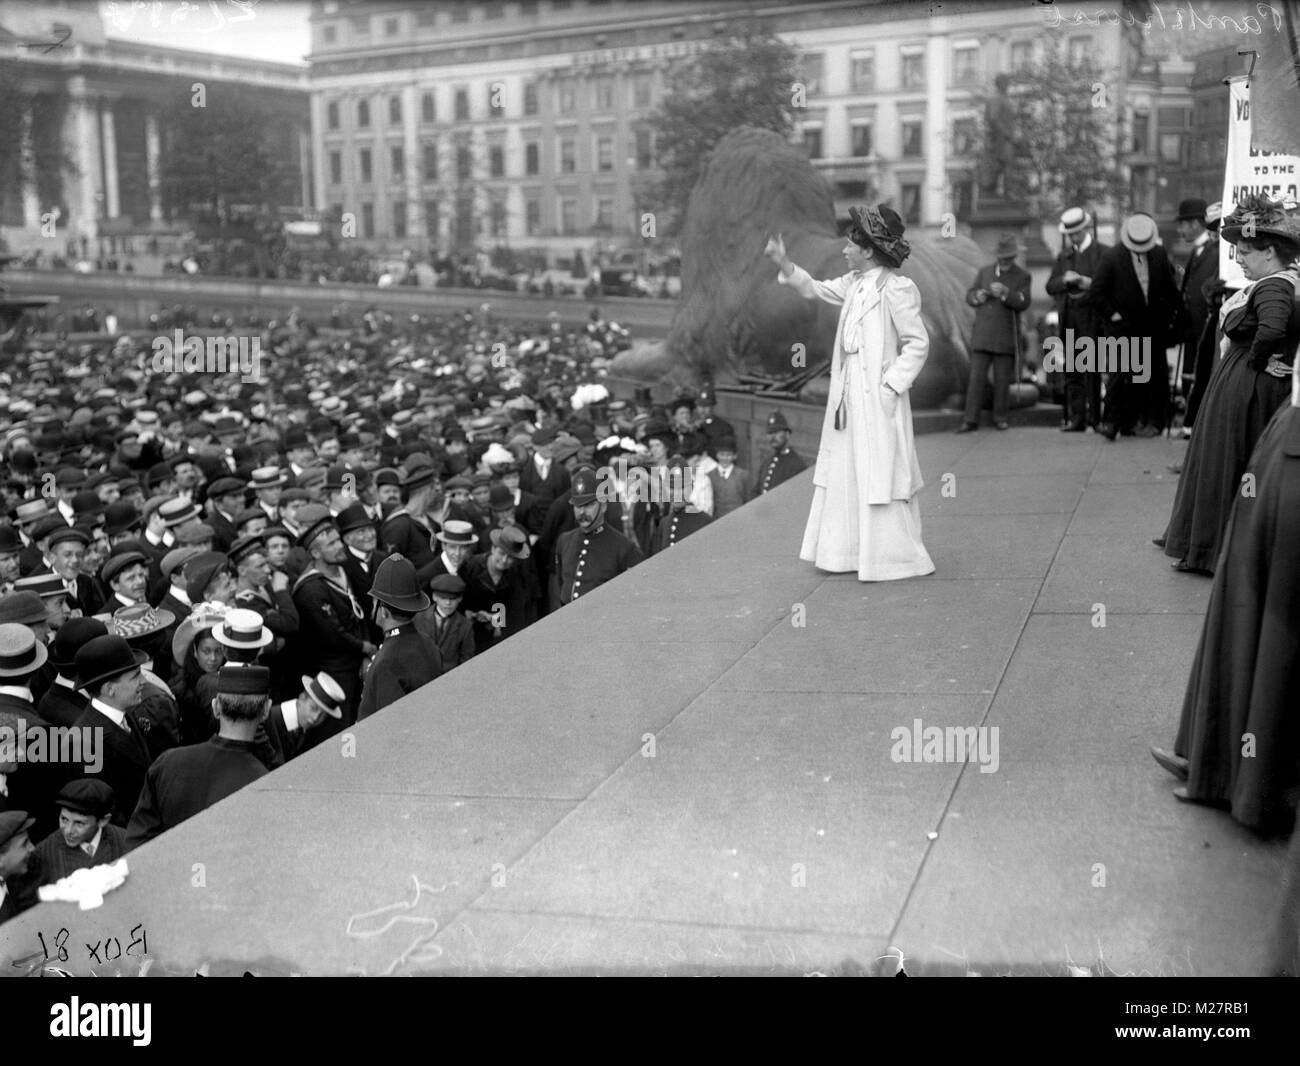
{"points": [[745, 81], [1065, 119], [230, 151]]}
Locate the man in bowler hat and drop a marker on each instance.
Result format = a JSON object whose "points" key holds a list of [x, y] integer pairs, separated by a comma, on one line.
{"points": [[406, 660], [999, 293]]}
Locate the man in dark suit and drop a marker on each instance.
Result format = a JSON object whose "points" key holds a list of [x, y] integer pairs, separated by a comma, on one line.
{"points": [[30, 783], [1137, 294], [85, 836], [406, 660], [542, 476], [63, 703], [444, 625], [185, 781], [707, 424], [784, 461], [1200, 271], [407, 530], [225, 500], [1071, 285], [109, 671], [66, 552], [1000, 292]]}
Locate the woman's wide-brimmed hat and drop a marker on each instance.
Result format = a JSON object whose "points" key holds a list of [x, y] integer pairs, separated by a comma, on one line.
{"points": [[881, 229], [1259, 216], [204, 617]]}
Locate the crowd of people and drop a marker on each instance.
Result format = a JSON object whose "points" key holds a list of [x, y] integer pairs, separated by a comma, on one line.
{"points": [[213, 575]]}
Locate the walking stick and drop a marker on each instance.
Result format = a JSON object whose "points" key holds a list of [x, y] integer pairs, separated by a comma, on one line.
{"points": [[1173, 386]]}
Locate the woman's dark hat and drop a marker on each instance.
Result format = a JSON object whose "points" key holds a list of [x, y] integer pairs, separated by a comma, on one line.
{"points": [[881, 229], [1264, 217]]}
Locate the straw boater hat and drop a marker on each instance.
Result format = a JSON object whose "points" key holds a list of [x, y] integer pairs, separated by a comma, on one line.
{"points": [[1074, 220], [242, 628], [325, 692], [1139, 233]]}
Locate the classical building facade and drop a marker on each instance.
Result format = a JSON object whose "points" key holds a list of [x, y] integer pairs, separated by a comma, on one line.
{"points": [[97, 103], [457, 125]]}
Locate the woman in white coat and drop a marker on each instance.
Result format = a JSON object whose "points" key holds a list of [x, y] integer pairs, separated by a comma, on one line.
{"points": [[865, 515]]}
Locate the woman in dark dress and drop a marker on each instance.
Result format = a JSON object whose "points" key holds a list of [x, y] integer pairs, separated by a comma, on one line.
{"points": [[1238, 742], [1259, 328]]}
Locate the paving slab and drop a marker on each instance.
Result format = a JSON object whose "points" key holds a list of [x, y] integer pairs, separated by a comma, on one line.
{"points": [[1123, 574], [769, 811]]}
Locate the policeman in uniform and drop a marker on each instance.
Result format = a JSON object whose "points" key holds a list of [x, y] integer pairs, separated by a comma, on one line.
{"points": [[785, 461], [713, 429], [595, 552], [405, 660], [683, 518]]}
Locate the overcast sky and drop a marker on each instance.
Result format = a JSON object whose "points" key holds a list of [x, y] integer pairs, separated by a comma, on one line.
{"points": [[278, 29]]}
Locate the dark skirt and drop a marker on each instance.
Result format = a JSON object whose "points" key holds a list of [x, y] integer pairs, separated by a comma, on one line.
{"points": [[1245, 678], [1238, 404]]}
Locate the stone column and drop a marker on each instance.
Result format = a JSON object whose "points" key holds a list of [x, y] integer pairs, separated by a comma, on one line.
{"points": [[83, 141], [319, 174], [112, 204], [27, 165], [412, 177], [934, 192], [152, 157]]}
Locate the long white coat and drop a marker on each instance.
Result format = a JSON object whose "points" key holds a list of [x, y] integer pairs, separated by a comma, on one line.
{"points": [[881, 318]]}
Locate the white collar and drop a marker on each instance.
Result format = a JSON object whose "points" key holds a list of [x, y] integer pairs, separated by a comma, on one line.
{"points": [[118, 718], [1202, 240], [21, 691], [447, 563], [180, 593], [66, 682], [92, 845]]}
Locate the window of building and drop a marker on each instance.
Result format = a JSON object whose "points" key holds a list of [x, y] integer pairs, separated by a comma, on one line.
{"points": [[332, 114], [1141, 131], [391, 27], [911, 128], [497, 217], [494, 11], [459, 11], [604, 93], [528, 7], [604, 153], [336, 168], [532, 216], [426, 15], [367, 220], [431, 162], [462, 105], [862, 71], [966, 65], [360, 24], [812, 70], [568, 156], [497, 160], [1077, 50], [910, 193], [913, 66], [964, 135], [399, 218], [645, 156], [530, 98], [496, 100], [363, 158], [532, 158], [464, 162], [397, 162], [604, 219], [568, 216], [1022, 54], [394, 110], [431, 219], [863, 142], [642, 90], [812, 143], [428, 113], [329, 34], [564, 97], [1171, 147], [363, 113]]}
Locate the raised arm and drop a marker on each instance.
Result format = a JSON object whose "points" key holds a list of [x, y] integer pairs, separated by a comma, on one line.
{"points": [[833, 291]]}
